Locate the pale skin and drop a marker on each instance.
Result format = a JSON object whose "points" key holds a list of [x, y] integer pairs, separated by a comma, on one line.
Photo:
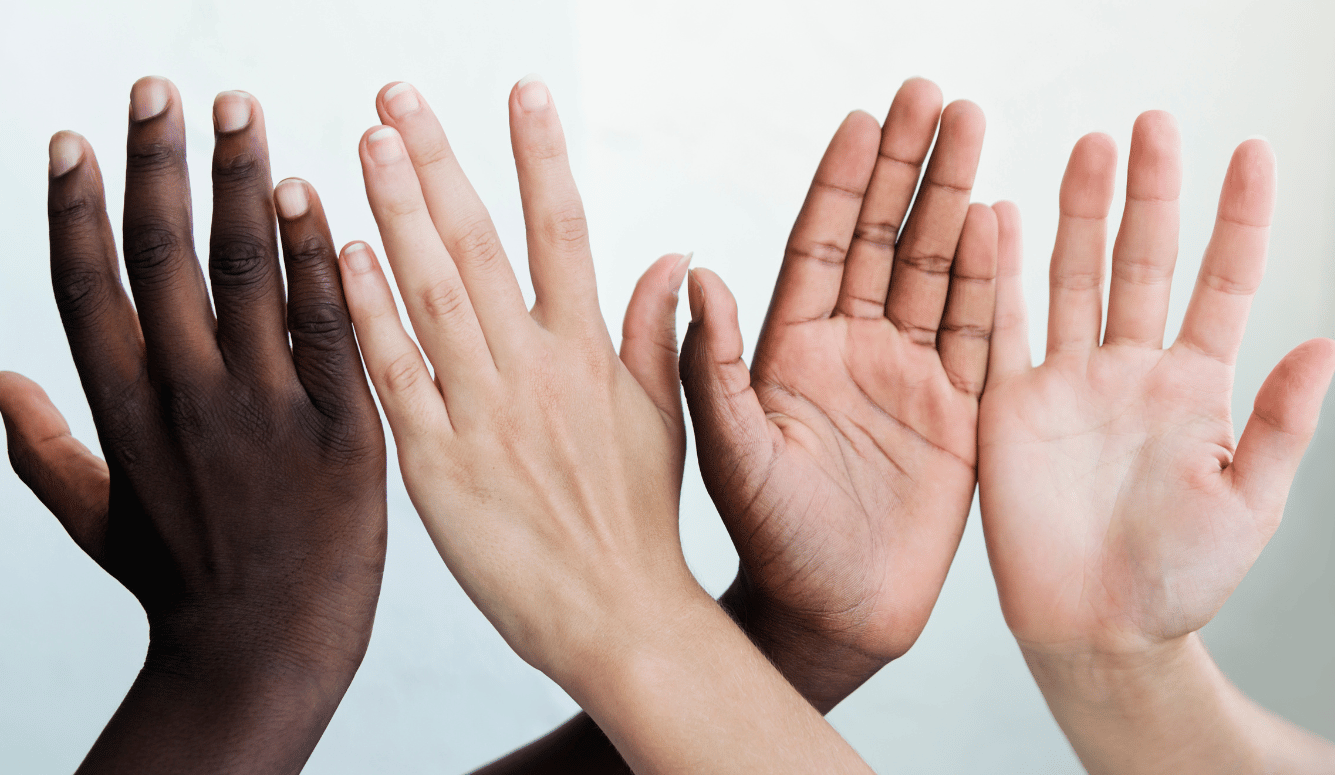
{"points": [[842, 462], [546, 468], [1119, 512]]}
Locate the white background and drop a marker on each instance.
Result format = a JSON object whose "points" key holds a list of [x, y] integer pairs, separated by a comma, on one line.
{"points": [[693, 126]]}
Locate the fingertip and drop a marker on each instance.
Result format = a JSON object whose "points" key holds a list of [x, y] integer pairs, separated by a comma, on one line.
{"points": [[1087, 185], [292, 198], [233, 111], [965, 119], [921, 93], [357, 258], [1249, 187], [66, 151], [150, 97], [1156, 122], [531, 94]]}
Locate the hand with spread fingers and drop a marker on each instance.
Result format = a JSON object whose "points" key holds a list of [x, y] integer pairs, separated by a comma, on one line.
{"points": [[843, 461], [1118, 511], [242, 497], [546, 469]]}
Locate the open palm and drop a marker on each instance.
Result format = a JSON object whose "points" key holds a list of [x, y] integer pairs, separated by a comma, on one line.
{"points": [[1118, 513], [843, 462]]}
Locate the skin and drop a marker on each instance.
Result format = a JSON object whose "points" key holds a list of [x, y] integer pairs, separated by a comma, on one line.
{"points": [[546, 468], [242, 497], [1119, 512], [843, 460]]}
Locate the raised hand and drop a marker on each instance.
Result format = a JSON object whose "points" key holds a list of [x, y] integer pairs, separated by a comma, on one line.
{"points": [[843, 462], [1118, 512], [546, 469], [242, 499]]}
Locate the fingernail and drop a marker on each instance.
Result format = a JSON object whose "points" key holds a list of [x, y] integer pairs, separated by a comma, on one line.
{"points": [[679, 273], [385, 146], [358, 258], [533, 93], [231, 111], [401, 100], [696, 295], [292, 199], [148, 98], [66, 152]]}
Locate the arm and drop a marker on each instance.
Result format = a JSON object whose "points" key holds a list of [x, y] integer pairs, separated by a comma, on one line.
{"points": [[242, 497], [1119, 512], [854, 427], [546, 469]]}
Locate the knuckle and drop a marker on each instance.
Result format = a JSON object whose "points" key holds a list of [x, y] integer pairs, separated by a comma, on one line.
{"points": [[239, 259], [879, 233], [310, 251], [153, 158], [239, 172], [73, 213], [444, 299], [567, 227], [80, 290], [404, 374], [478, 244], [1077, 281], [822, 252], [150, 248], [324, 324], [929, 262]]}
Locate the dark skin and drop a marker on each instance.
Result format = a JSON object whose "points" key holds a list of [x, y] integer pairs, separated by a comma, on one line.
{"points": [[242, 497], [843, 462]]}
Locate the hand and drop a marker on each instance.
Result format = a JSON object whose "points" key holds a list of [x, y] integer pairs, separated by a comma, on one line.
{"points": [[546, 470], [242, 500], [1119, 515], [843, 463]]}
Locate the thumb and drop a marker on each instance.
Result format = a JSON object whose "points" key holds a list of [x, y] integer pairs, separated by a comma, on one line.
{"points": [[731, 429], [68, 479], [649, 336], [1282, 423]]}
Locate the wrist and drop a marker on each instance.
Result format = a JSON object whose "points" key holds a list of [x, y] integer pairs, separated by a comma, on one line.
{"points": [[824, 666], [1162, 708]]}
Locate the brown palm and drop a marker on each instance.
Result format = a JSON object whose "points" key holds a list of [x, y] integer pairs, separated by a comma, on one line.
{"points": [[843, 462]]}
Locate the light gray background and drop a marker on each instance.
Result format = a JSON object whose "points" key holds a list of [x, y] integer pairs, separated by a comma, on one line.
{"points": [[693, 125]]}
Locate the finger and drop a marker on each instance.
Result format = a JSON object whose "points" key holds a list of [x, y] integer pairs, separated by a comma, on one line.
{"points": [[1235, 258], [729, 422], [966, 325], [438, 304], [559, 260], [243, 250], [324, 350], [68, 479], [649, 336], [165, 277], [813, 261], [1146, 247], [461, 220], [1075, 279], [920, 279], [1281, 426], [905, 140], [100, 323], [1008, 352], [411, 401]]}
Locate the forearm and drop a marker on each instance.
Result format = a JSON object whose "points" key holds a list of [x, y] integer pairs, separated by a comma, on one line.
{"points": [[687, 692], [819, 670], [222, 712], [1170, 711]]}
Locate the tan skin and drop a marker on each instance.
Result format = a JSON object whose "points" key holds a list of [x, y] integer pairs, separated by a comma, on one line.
{"points": [[242, 497]]}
